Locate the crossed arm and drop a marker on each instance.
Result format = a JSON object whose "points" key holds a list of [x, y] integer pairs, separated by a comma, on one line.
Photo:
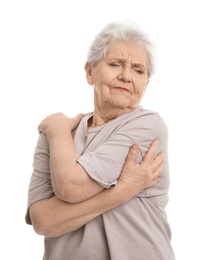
{"points": [[73, 207]]}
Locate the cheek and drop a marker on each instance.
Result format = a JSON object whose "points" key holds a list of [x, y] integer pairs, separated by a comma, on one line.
{"points": [[100, 89], [98, 85], [140, 89], [139, 92], [102, 82]]}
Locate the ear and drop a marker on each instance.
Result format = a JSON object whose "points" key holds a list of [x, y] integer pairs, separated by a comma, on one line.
{"points": [[88, 70]]}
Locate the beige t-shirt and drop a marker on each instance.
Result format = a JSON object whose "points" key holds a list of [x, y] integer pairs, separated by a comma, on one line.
{"points": [[136, 230]]}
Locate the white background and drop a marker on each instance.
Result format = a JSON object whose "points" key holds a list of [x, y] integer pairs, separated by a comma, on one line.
{"points": [[43, 46]]}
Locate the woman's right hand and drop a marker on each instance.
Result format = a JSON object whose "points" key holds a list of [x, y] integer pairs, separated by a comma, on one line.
{"points": [[58, 123], [136, 177]]}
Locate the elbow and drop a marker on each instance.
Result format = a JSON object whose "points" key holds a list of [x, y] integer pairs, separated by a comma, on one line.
{"points": [[69, 193], [39, 229], [39, 222]]}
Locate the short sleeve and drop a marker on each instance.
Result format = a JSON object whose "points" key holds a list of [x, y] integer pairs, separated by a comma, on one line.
{"points": [[105, 162], [40, 186]]}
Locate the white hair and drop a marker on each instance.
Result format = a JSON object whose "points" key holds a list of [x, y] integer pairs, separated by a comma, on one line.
{"points": [[127, 31]]}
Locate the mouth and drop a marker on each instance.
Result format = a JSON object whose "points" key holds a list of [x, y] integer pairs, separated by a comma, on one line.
{"points": [[121, 89]]}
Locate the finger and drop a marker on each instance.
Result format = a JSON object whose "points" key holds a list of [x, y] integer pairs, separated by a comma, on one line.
{"points": [[158, 159], [76, 120], [155, 181], [132, 154], [149, 156], [160, 168], [39, 128], [79, 117], [157, 172]]}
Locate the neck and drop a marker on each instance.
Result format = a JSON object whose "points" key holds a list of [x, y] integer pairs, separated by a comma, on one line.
{"points": [[101, 117]]}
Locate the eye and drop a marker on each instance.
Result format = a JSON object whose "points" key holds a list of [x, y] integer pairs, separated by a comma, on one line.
{"points": [[138, 70], [114, 64]]}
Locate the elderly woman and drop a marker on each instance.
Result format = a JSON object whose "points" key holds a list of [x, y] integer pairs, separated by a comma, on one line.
{"points": [[85, 197]]}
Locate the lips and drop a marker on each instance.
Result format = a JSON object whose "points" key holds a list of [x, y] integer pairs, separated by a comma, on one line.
{"points": [[122, 89]]}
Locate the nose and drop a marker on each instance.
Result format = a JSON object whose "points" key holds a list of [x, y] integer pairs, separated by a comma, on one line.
{"points": [[125, 74]]}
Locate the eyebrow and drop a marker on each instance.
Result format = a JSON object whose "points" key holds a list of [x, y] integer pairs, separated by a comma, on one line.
{"points": [[135, 65]]}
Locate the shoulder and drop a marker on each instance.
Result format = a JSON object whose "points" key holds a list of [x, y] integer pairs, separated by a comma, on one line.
{"points": [[142, 118], [143, 113], [154, 121]]}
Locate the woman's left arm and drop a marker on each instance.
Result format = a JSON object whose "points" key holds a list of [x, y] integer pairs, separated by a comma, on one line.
{"points": [[69, 179]]}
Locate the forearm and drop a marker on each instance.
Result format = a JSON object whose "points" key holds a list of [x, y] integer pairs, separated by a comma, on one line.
{"points": [[63, 163], [53, 217], [70, 181]]}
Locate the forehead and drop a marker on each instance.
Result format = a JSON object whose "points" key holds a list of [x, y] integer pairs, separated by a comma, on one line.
{"points": [[127, 51]]}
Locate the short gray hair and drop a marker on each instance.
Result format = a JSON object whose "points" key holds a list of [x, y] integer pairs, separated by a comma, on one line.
{"points": [[127, 31]]}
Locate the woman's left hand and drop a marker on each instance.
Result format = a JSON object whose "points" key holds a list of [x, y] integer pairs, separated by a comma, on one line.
{"points": [[58, 123]]}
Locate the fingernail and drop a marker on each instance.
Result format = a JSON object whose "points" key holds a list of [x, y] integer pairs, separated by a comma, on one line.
{"points": [[134, 146]]}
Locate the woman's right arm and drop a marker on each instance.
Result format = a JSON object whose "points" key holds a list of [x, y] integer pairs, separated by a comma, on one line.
{"points": [[53, 217]]}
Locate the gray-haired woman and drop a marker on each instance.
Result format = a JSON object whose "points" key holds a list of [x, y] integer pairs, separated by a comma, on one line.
{"points": [[85, 197]]}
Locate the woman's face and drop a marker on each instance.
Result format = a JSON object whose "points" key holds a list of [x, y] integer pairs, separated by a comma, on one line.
{"points": [[120, 78]]}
